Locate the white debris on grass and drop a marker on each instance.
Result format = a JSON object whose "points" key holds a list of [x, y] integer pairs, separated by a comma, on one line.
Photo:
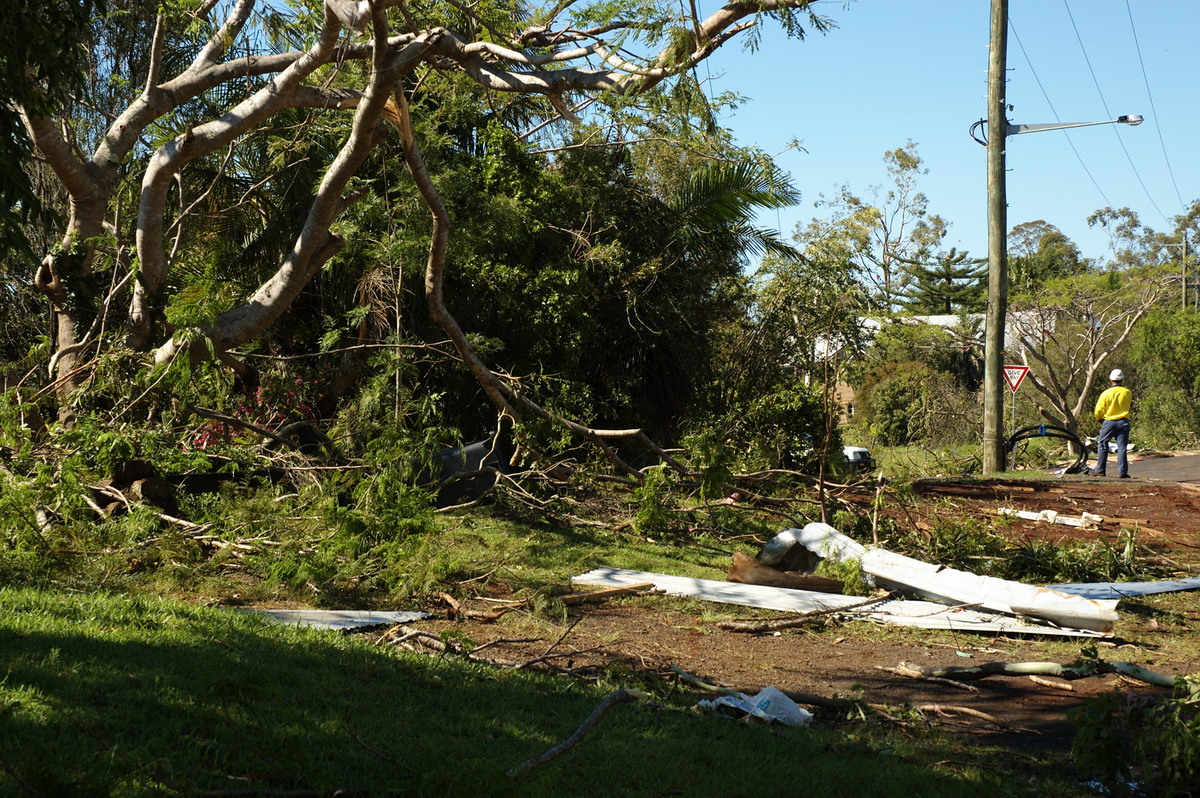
{"points": [[338, 619], [920, 614], [769, 704]]}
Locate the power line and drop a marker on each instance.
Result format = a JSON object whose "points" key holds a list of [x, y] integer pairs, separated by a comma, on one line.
{"points": [[1153, 110], [1108, 113], [1045, 95]]}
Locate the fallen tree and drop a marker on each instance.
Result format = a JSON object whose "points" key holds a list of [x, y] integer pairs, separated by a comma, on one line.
{"points": [[187, 124]]}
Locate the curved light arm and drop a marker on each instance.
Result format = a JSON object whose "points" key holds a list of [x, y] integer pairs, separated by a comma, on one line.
{"points": [[1012, 130], [1127, 119]]}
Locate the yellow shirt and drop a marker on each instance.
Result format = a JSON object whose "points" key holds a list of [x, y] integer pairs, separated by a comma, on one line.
{"points": [[1114, 403]]}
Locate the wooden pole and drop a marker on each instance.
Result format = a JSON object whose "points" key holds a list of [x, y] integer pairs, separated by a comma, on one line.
{"points": [[997, 304]]}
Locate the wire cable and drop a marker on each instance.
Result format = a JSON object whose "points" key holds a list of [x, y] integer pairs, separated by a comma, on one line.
{"points": [[1108, 113], [1153, 111], [1032, 71]]}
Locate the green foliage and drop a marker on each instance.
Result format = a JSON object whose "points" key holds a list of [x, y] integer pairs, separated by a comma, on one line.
{"points": [[1166, 350], [655, 514], [787, 427], [949, 283], [714, 459], [1142, 745], [973, 545], [1039, 252], [897, 403], [955, 352], [42, 41]]}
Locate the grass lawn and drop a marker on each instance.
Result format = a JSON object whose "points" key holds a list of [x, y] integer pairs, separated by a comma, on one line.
{"points": [[113, 695]]}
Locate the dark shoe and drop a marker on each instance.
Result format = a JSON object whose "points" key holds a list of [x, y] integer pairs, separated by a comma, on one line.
{"points": [[1122, 476], [1091, 472]]}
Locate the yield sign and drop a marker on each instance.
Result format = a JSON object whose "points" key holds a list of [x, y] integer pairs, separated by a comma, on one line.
{"points": [[1013, 376]]}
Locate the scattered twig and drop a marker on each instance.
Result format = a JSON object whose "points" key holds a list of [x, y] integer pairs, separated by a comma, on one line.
{"points": [[500, 641], [912, 673], [553, 645], [549, 656], [26, 786], [798, 620], [614, 698], [975, 713], [703, 685], [1057, 685]]}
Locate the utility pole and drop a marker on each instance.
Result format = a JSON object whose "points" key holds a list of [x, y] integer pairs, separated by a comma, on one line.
{"points": [[1183, 271], [997, 202]]}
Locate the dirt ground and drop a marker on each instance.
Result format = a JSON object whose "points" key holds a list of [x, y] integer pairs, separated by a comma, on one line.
{"points": [[849, 660]]}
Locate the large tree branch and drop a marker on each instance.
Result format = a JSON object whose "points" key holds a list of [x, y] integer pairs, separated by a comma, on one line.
{"points": [[316, 244], [194, 143]]}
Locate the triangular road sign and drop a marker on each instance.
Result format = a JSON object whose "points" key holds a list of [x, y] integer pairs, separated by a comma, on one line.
{"points": [[1013, 376]]}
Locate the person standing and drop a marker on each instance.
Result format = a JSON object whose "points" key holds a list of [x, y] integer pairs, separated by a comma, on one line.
{"points": [[1112, 411]]}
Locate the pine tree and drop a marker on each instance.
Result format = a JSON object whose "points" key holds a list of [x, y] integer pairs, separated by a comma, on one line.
{"points": [[947, 283]]}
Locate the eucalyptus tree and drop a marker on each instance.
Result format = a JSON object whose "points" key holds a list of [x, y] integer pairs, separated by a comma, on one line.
{"points": [[1038, 251], [1068, 332], [220, 93], [885, 229], [41, 65]]}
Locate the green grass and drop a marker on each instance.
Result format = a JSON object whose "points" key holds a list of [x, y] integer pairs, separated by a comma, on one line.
{"points": [[108, 695]]}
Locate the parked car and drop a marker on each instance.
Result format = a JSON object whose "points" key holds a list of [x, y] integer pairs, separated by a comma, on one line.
{"points": [[858, 458]]}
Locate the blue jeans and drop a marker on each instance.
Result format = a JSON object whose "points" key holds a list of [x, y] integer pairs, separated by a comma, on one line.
{"points": [[1117, 430]]}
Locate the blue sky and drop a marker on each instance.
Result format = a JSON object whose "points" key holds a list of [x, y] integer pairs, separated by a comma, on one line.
{"points": [[894, 71]]}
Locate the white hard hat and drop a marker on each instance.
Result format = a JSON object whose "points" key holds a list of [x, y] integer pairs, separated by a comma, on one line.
{"points": [[1116, 375]]}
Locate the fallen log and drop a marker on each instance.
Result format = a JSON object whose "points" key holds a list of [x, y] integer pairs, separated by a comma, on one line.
{"points": [[749, 571], [1077, 670]]}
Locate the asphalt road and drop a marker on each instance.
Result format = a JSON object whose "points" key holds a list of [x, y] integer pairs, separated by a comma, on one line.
{"points": [[1171, 468]]}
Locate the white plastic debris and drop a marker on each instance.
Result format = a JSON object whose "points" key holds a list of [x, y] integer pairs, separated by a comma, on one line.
{"points": [[777, 547], [769, 704]]}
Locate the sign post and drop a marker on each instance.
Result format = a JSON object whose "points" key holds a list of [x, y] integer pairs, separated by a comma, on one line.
{"points": [[1014, 376]]}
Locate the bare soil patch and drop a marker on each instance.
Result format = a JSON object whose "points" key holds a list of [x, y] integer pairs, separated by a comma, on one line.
{"points": [[645, 637]]}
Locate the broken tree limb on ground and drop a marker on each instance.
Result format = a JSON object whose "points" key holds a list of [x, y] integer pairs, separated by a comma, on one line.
{"points": [[1077, 670], [797, 621], [572, 599], [610, 701], [749, 571], [904, 669]]}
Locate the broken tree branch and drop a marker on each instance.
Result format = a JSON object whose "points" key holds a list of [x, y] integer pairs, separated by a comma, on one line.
{"points": [[614, 698], [799, 620]]}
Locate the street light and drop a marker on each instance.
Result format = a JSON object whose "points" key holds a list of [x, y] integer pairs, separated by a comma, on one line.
{"points": [[1012, 130], [997, 303]]}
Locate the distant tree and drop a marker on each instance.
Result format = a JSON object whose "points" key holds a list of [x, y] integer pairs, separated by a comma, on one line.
{"points": [[945, 283], [882, 232], [1128, 239], [1039, 251], [1165, 353]]}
